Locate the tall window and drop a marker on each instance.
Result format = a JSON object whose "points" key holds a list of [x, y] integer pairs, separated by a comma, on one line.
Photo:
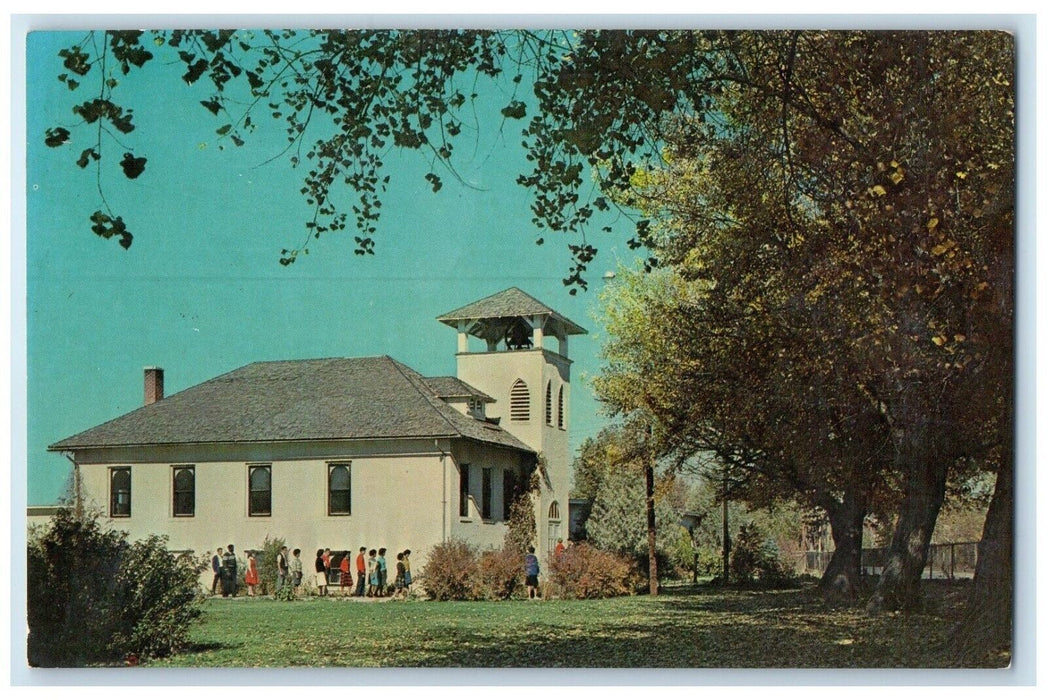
{"points": [[339, 489], [549, 403], [559, 409], [519, 402], [508, 491], [463, 491], [260, 486], [485, 493], [554, 523], [184, 491], [120, 492]]}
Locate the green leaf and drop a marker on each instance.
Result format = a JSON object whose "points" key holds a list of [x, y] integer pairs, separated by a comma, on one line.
{"points": [[56, 137], [514, 110], [133, 167], [223, 130]]}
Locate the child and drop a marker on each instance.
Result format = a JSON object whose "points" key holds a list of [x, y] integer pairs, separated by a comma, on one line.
{"points": [[321, 573], [346, 579], [407, 572], [372, 574], [251, 575], [401, 572], [383, 573], [296, 570]]}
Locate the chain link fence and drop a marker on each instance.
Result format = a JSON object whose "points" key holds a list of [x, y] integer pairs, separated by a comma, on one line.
{"points": [[951, 560]]}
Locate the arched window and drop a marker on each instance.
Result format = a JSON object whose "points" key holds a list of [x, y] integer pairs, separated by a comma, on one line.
{"points": [[549, 403], [184, 491], [339, 490], [120, 492], [554, 511], [519, 402], [559, 409], [260, 486]]}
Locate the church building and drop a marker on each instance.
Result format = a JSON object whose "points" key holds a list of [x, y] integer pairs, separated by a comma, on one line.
{"points": [[348, 452]]}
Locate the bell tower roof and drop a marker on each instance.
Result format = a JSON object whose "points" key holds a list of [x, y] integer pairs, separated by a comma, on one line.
{"points": [[502, 309]]}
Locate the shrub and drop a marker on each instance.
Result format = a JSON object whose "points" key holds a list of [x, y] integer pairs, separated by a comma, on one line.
{"points": [[94, 598], [582, 571], [501, 572], [159, 598], [452, 572], [266, 561], [757, 561]]}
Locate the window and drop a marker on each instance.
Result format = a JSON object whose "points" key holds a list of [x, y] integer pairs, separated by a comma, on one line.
{"points": [[485, 493], [463, 491], [559, 409], [260, 486], [519, 402], [184, 491], [339, 489], [508, 492], [554, 523], [549, 403], [120, 492]]}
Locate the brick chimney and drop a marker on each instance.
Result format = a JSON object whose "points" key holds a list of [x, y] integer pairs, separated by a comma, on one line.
{"points": [[154, 384]]}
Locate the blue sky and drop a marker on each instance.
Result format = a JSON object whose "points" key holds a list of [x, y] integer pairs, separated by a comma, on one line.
{"points": [[201, 291]]}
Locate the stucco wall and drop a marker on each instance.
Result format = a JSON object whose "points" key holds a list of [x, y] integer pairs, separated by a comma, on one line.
{"points": [[404, 495], [494, 373]]}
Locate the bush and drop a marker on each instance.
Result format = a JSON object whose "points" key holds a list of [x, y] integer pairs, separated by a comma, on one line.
{"points": [[501, 572], [452, 572], [757, 561], [159, 598], [266, 561], [582, 571], [94, 598]]}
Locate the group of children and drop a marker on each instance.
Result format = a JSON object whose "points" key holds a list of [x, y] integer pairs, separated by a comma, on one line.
{"points": [[371, 572]]}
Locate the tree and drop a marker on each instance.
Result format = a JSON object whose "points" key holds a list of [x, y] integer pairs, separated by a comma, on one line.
{"points": [[864, 184], [859, 184], [618, 522], [96, 598]]}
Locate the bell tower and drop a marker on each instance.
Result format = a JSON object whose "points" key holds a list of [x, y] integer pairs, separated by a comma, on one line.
{"points": [[514, 348]]}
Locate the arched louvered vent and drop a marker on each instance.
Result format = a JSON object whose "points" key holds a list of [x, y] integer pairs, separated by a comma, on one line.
{"points": [[559, 409], [549, 403], [519, 402]]}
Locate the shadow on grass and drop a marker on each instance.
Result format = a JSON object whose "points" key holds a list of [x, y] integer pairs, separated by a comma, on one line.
{"points": [[209, 647], [712, 628]]}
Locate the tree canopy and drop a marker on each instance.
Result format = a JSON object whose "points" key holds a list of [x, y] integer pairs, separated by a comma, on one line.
{"points": [[838, 232]]}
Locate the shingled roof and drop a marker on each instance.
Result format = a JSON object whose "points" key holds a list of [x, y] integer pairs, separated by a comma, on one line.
{"points": [[509, 303], [455, 388], [297, 400]]}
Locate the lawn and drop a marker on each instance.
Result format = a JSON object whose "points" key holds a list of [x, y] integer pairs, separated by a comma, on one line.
{"points": [[691, 627]]}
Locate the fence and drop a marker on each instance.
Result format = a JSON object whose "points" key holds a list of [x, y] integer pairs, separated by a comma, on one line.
{"points": [[952, 560]]}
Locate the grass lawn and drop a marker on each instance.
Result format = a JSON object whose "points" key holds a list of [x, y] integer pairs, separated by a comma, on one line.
{"points": [[689, 627]]}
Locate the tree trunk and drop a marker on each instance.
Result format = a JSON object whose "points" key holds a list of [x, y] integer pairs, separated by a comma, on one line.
{"points": [[726, 535], [926, 469], [988, 620], [652, 554], [842, 576]]}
